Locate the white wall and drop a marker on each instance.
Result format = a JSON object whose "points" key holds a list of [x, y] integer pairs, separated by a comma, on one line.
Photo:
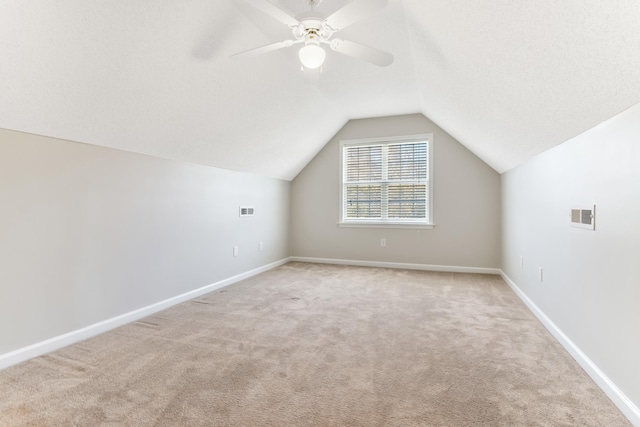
{"points": [[466, 200], [591, 284], [89, 233]]}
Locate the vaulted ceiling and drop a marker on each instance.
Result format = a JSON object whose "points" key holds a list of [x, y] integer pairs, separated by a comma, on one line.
{"points": [[507, 78]]}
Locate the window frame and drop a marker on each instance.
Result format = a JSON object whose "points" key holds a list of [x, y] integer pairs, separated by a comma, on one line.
{"points": [[428, 223]]}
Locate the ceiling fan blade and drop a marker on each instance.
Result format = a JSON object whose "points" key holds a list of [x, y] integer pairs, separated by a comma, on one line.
{"points": [[353, 12], [274, 11], [264, 49], [363, 52]]}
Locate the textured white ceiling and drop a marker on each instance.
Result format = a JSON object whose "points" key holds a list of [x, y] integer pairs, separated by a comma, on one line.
{"points": [[507, 78]]}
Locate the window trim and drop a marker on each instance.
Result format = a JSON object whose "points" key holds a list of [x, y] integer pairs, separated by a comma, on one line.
{"points": [[429, 224]]}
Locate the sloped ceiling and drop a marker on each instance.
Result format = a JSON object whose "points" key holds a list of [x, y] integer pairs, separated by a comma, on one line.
{"points": [[507, 78]]}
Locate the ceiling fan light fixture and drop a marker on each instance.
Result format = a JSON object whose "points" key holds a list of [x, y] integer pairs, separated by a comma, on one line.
{"points": [[312, 55]]}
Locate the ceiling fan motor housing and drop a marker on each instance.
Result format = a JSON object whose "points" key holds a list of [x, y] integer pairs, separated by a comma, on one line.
{"points": [[312, 29]]}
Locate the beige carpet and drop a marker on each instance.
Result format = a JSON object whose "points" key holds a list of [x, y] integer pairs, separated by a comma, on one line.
{"points": [[318, 345]]}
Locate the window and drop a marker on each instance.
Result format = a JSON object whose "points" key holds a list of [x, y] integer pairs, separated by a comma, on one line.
{"points": [[386, 182]]}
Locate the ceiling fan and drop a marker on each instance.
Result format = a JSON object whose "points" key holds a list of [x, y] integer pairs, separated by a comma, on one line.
{"points": [[314, 32]]}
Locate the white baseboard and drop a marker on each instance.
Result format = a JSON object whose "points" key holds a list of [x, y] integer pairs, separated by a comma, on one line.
{"points": [[626, 406], [55, 343], [401, 265]]}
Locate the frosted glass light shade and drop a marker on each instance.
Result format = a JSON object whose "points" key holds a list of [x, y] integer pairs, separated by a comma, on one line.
{"points": [[312, 56]]}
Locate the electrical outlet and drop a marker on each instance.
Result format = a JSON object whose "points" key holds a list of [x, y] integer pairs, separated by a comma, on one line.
{"points": [[235, 251], [383, 242], [259, 246]]}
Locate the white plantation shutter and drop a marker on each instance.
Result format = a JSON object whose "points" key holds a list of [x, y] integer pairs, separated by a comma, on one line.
{"points": [[386, 182]]}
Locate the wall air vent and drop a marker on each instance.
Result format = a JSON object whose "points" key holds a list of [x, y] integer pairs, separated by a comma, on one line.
{"points": [[584, 217], [246, 211]]}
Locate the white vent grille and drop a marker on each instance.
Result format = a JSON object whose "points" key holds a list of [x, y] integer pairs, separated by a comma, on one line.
{"points": [[584, 217], [246, 211]]}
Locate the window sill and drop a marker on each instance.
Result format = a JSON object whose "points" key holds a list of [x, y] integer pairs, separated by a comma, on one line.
{"points": [[423, 226]]}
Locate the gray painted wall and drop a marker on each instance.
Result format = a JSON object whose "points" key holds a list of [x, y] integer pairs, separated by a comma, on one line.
{"points": [[591, 282], [466, 205], [88, 233]]}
